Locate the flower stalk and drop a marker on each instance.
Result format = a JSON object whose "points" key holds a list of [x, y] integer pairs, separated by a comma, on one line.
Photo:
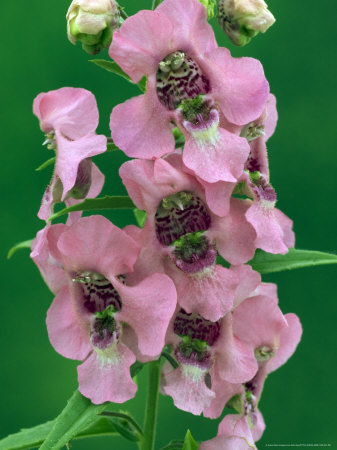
{"points": [[150, 422]]}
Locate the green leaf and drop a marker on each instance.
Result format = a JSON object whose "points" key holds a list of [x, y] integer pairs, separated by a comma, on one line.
{"points": [[295, 259], [126, 421], [189, 442], [142, 84], [125, 425], [34, 437], [77, 415], [136, 368], [27, 438], [140, 217], [90, 204], [112, 66], [46, 164], [19, 246]]}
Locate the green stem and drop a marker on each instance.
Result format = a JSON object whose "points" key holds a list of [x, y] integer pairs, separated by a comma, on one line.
{"points": [[147, 442]]}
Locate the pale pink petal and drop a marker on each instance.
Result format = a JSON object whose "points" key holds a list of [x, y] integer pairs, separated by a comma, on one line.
{"points": [[141, 43], [268, 290], [273, 228], [67, 332], [71, 153], [271, 117], [209, 294], [186, 385], [140, 127], [224, 391], [235, 359], [72, 111], [148, 308], [222, 160], [148, 182], [258, 429], [48, 198], [218, 196], [239, 85], [258, 321], [286, 224], [249, 280], [289, 339], [94, 243], [44, 257], [190, 23], [235, 237], [236, 425], [152, 255], [106, 378]]}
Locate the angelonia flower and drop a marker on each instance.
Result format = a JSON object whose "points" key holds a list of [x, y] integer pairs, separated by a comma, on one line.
{"points": [[241, 20], [192, 83], [95, 310], [92, 22], [69, 118], [180, 287]]}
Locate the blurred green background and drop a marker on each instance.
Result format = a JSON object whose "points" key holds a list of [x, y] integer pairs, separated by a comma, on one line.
{"points": [[298, 55]]}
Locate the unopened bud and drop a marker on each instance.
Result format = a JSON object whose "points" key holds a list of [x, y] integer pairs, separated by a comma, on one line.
{"points": [[92, 22], [241, 20], [209, 5]]}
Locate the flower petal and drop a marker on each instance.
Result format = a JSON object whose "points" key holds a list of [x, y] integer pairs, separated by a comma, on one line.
{"points": [[148, 308], [67, 332], [222, 160], [141, 127], [107, 378], [239, 85]]}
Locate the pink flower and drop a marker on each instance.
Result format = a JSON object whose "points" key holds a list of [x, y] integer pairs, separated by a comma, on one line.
{"points": [[90, 318], [273, 337], [210, 356], [272, 226], [182, 235], [69, 118], [234, 433], [190, 81]]}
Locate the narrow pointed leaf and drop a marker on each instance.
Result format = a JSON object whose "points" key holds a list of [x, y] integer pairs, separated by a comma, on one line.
{"points": [[112, 66], [34, 437], [295, 259], [91, 204], [77, 415], [136, 368], [46, 163], [189, 442], [19, 246]]}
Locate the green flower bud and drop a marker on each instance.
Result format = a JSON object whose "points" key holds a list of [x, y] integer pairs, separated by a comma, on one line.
{"points": [[241, 20], [209, 5], [92, 22]]}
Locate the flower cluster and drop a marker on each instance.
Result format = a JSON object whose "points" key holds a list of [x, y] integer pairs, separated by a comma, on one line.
{"points": [[181, 282]]}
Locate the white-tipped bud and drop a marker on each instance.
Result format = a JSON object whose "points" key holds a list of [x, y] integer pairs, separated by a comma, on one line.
{"points": [[92, 22], [241, 20]]}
